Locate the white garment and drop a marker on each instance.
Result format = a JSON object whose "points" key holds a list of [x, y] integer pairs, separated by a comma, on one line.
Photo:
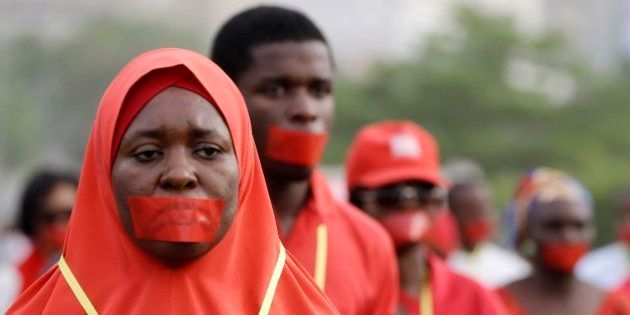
{"points": [[605, 267], [490, 264], [10, 283], [14, 248]]}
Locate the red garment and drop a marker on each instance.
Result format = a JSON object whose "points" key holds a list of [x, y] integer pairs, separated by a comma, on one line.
{"points": [[361, 273], [617, 302], [119, 278], [614, 303], [443, 237], [453, 294], [31, 268]]}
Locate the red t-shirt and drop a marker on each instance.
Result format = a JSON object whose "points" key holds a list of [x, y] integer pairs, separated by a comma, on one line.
{"points": [[361, 274], [453, 293]]}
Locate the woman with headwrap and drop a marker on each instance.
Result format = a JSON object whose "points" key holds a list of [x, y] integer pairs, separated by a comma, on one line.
{"points": [[172, 214], [551, 219]]}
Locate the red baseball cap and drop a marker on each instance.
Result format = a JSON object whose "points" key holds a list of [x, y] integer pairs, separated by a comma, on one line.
{"points": [[393, 151]]}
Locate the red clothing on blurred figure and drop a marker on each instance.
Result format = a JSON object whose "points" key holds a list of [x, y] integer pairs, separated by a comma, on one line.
{"points": [[615, 303], [360, 262], [31, 268], [453, 293]]}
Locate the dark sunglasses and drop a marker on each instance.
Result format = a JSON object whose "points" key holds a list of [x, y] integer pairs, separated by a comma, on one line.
{"points": [[396, 196], [50, 217]]}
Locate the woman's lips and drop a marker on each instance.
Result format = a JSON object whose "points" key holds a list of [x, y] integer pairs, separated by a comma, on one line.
{"points": [[175, 219]]}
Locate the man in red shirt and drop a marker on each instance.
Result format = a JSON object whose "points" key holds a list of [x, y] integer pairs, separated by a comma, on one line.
{"points": [[283, 65], [393, 174]]}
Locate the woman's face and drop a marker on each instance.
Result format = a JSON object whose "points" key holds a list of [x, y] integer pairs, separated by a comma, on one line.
{"points": [[177, 146], [561, 221], [55, 214]]}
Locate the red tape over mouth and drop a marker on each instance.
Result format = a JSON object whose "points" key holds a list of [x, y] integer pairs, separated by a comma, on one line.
{"points": [[295, 147], [175, 219]]}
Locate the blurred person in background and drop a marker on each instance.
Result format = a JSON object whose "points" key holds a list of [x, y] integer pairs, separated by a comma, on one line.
{"points": [[34, 243], [283, 65], [479, 257], [609, 266], [172, 213], [551, 219], [45, 209], [393, 174]]}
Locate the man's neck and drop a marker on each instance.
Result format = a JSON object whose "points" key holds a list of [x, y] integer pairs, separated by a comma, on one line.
{"points": [[413, 265], [553, 282], [288, 199]]}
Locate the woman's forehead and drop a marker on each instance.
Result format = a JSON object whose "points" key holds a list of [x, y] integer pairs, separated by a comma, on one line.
{"points": [[561, 209], [179, 108]]}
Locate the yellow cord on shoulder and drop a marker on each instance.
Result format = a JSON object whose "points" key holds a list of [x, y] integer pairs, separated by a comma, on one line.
{"points": [[426, 298], [273, 283], [76, 287], [321, 256]]}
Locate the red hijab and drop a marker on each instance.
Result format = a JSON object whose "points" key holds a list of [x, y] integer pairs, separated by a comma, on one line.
{"points": [[117, 277]]}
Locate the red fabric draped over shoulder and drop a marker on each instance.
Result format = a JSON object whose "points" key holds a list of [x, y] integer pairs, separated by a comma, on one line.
{"points": [[117, 276]]}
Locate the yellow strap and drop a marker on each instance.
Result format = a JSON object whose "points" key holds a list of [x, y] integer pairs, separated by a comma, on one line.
{"points": [[426, 297], [76, 287], [321, 256], [273, 283], [426, 300], [90, 310]]}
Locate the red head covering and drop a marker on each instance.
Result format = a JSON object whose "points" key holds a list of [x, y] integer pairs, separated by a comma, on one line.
{"points": [[388, 152], [116, 276]]}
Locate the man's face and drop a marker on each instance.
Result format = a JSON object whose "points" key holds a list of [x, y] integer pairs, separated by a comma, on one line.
{"points": [[288, 85], [406, 209], [408, 195], [471, 206]]}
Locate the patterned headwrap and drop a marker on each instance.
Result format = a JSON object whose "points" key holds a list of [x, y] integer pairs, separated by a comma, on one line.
{"points": [[541, 185]]}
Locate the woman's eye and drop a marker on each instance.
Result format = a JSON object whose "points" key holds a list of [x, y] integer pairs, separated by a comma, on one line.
{"points": [[147, 156], [207, 152]]}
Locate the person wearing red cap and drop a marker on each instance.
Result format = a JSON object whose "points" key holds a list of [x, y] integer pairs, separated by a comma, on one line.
{"points": [[393, 174], [172, 214], [283, 65]]}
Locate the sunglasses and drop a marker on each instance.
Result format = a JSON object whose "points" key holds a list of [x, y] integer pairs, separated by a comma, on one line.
{"points": [[398, 195], [56, 216]]}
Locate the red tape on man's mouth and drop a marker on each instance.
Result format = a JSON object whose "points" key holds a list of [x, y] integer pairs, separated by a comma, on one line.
{"points": [[175, 219], [295, 147]]}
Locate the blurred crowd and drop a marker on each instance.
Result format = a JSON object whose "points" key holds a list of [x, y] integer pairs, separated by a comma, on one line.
{"points": [[200, 192]]}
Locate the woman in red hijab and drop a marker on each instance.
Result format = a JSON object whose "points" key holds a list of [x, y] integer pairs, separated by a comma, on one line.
{"points": [[172, 214]]}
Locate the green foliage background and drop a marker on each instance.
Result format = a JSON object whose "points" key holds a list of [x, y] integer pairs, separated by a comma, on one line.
{"points": [[454, 86]]}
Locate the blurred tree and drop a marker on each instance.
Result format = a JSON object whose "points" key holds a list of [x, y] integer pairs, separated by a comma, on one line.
{"points": [[510, 102]]}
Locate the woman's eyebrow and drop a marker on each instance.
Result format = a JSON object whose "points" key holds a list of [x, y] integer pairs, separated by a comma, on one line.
{"points": [[202, 132], [146, 133]]}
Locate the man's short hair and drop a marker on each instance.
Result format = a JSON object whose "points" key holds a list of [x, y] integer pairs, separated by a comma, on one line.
{"points": [[257, 26]]}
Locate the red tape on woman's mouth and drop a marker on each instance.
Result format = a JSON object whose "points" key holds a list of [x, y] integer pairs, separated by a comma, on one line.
{"points": [[295, 147], [175, 219]]}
